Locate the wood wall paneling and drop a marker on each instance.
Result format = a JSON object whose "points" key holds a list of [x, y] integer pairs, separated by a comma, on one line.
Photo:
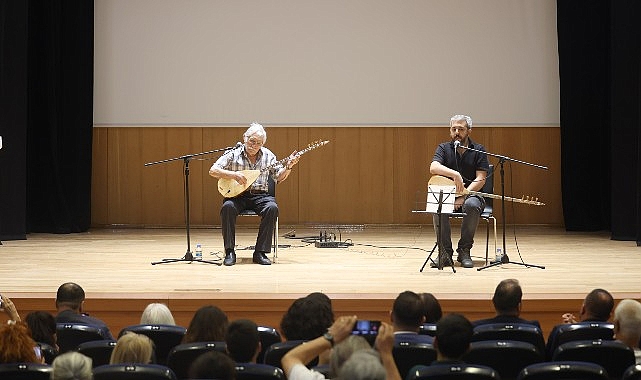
{"points": [[365, 175]]}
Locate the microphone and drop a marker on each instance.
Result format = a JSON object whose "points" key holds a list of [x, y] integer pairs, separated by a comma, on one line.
{"points": [[238, 145], [456, 144]]}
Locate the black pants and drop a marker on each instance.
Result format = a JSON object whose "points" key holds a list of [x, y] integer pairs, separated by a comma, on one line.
{"points": [[263, 205]]}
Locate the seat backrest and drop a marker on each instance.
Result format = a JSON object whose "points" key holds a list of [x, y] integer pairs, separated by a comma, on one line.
{"points": [[165, 337], [427, 329], [612, 355], [522, 332], [569, 332], [632, 373], [268, 336], [71, 335], [409, 354], [133, 372], [252, 371], [181, 356], [562, 370], [508, 357], [98, 350], [25, 371], [452, 372], [276, 351]]}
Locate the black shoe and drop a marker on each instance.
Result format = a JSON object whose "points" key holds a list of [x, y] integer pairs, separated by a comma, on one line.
{"points": [[447, 261], [261, 258], [230, 258], [464, 258]]}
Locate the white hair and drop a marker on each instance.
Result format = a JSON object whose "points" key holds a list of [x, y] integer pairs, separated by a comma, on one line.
{"points": [[628, 315], [157, 314], [256, 129], [467, 119], [363, 365], [71, 366]]}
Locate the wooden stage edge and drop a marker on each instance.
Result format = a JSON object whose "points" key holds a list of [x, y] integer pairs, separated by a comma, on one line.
{"points": [[113, 266]]}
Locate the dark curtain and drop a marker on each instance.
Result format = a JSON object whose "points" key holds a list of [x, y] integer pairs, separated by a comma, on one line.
{"points": [[599, 65], [13, 118], [58, 121]]}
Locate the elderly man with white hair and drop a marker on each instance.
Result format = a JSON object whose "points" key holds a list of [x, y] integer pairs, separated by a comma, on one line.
{"points": [[251, 155], [627, 325]]}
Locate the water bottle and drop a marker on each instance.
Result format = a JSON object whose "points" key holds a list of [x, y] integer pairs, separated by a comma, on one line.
{"points": [[199, 252], [499, 255]]}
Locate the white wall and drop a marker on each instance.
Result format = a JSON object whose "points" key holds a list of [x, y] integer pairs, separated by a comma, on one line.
{"points": [[325, 61]]}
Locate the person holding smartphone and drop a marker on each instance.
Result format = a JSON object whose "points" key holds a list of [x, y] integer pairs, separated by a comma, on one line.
{"points": [[9, 308]]}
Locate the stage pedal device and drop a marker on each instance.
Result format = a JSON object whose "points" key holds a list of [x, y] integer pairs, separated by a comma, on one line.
{"points": [[332, 244]]}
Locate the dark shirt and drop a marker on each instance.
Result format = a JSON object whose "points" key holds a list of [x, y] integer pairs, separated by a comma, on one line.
{"points": [[467, 164], [506, 319], [70, 316]]}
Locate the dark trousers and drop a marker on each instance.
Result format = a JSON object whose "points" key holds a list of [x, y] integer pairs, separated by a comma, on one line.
{"points": [[473, 206], [263, 205]]}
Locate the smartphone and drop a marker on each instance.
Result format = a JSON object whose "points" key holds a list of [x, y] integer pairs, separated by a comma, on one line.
{"points": [[367, 329], [1, 302], [38, 351]]}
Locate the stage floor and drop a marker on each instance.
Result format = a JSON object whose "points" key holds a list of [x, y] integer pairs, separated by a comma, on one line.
{"points": [[383, 261], [115, 264]]}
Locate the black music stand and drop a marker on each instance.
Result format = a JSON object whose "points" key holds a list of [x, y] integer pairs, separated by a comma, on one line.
{"points": [[189, 257], [505, 259], [439, 239]]}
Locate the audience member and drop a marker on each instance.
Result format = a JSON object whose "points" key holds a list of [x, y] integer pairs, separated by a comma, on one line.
{"points": [[157, 314], [433, 311], [70, 299], [213, 365], [453, 337], [307, 317], [243, 341], [339, 333], [627, 325], [43, 327], [363, 365], [72, 366], [17, 345], [208, 324], [507, 302], [597, 307], [408, 314], [132, 348]]}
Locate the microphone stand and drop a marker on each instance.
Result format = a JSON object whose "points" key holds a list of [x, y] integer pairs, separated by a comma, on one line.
{"points": [[189, 257], [505, 259]]}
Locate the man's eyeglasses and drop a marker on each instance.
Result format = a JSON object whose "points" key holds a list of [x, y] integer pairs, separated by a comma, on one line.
{"points": [[253, 141]]}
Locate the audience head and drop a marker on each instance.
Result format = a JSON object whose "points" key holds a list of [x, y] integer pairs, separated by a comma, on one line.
{"points": [[344, 350], [627, 322], [453, 336], [208, 324], [363, 365], [433, 311], [132, 348], [16, 344], [507, 297], [43, 327], [157, 314], [243, 341], [308, 317], [70, 296], [597, 306], [71, 366], [213, 365], [408, 312]]}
